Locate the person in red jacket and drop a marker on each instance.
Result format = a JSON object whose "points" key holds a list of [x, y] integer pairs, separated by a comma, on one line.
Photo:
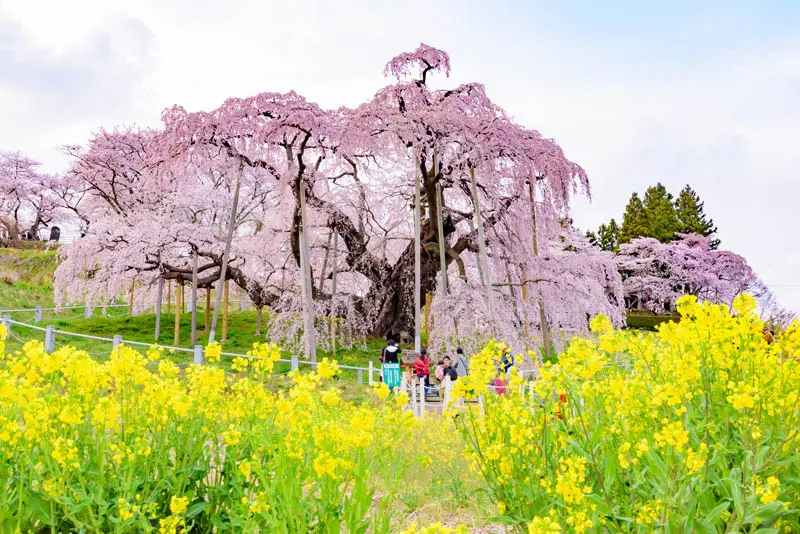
{"points": [[422, 368]]}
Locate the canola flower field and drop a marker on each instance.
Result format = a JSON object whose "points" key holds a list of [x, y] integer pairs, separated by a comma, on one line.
{"points": [[692, 429]]}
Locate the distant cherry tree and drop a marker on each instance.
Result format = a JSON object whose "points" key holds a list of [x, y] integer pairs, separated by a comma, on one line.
{"points": [[656, 274]]}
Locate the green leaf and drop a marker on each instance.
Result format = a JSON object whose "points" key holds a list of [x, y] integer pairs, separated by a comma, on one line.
{"points": [[196, 508], [736, 492], [40, 508], [714, 515], [610, 471], [701, 526], [598, 501], [768, 514]]}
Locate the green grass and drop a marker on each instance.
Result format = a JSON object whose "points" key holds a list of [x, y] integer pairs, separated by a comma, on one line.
{"points": [[26, 278], [642, 320]]}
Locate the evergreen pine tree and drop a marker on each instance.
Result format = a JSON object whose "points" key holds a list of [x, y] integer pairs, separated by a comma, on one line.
{"points": [[661, 215], [634, 222], [691, 217], [608, 236]]}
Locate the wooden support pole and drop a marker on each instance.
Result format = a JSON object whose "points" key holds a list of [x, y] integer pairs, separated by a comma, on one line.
{"points": [[224, 270], [225, 298], [169, 296], [194, 297], [178, 297], [309, 332], [547, 348], [334, 274], [440, 227], [259, 312], [484, 256], [428, 302], [208, 308], [159, 297], [325, 261], [130, 299], [417, 267]]}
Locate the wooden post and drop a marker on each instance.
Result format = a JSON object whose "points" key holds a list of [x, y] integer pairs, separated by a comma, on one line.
{"points": [[428, 302], [178, 297], [325, 261], [208, 308], [159, 296], [417, 267], [194, 297], [224, 270], [542, 313], [130, 299], [305, 269], [169, 296], [524, 301], [482, 245], [259, 310], [225, 298], [440, 227], [335, 269]]}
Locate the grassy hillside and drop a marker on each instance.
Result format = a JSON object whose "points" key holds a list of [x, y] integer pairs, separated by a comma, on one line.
{"points": [[26, 278]]}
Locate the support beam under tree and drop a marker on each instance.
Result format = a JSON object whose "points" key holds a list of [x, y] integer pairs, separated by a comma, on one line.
{"points": [[225, 310], [259, 312], [130, 298], [325, 262], [194, 297], [224, 271], [334, 274], [208, 308], [159, 297], [547, 343], [417, 267], [524, 301], [440, 225], [178, 296], [306, 283], [484, 255], [428, 303]]}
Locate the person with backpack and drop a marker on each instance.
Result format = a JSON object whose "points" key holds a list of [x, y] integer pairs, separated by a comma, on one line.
{"points": [[461, 364], [390, 360], [391, 353], [422, 368]]}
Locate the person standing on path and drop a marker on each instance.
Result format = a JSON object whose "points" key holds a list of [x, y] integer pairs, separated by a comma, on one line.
{"points": [[422, 368], [391, 353], [461, 364], [390, 360]]}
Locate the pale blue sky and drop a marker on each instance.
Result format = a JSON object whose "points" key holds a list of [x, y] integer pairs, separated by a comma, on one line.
{"points": [[636, 92]]}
